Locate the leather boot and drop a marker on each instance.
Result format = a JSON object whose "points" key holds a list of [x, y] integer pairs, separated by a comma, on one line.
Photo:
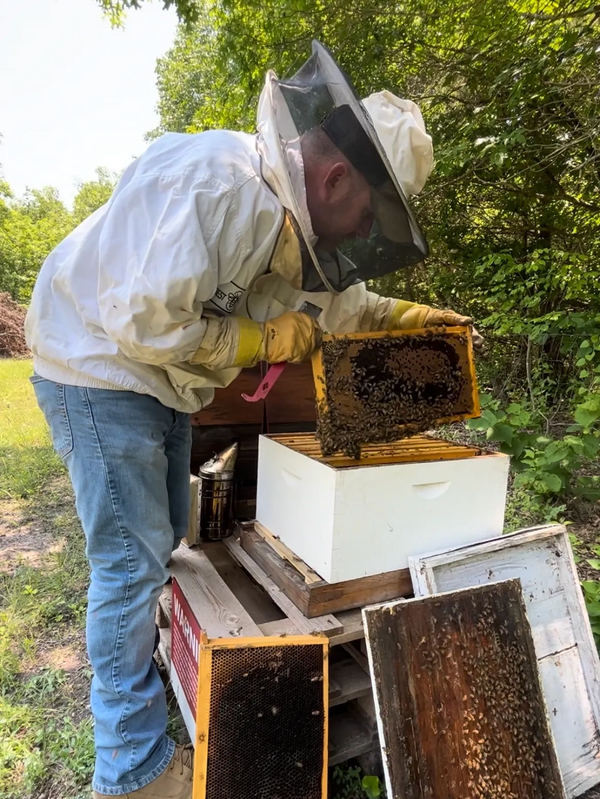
{"points": [[174, 783]]}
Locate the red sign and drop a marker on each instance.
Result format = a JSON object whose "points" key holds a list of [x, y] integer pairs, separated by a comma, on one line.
{"points": [[185, 647]]}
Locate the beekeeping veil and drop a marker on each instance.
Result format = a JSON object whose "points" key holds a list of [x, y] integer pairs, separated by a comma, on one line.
{"points": [[383, 137]]}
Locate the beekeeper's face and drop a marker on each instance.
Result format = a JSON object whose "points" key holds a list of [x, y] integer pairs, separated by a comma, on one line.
{"points": [[338, 196], [341, 210]]}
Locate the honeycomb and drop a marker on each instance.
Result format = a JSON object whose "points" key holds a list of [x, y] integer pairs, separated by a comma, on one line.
{"points": [[416, 449], [379, 389], [267, 723]]}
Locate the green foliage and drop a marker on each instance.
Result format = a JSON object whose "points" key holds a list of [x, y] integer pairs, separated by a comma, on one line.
{"points": [[93, 194], [27, 459], [187, 10], [192, 87], [372, 787], [546, 467], [511, 209], [591, 593], [35, 741], [349, 783], [45, 733], [31, 227], [46, 738]]}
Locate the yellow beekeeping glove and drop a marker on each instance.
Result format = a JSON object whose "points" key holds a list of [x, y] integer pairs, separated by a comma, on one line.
{"points": [[240, 342], [410, 316]]}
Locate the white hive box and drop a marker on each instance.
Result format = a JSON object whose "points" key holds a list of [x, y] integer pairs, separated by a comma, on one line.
{"points": [[348, 519]]}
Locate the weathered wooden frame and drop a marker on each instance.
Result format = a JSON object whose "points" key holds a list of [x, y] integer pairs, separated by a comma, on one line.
{"points": [[425, 753], [566, 671]]}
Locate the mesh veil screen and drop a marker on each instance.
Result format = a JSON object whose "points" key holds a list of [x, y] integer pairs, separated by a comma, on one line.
{"points": [[267, 726]]}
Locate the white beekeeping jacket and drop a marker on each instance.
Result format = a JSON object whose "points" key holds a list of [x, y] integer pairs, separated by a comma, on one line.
{"points": [[122, 302]]}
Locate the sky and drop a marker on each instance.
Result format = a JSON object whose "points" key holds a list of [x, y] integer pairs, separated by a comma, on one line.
{"points": [[75, 94]]}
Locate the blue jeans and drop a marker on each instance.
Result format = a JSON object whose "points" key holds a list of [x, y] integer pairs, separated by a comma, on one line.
{"points": [[128, 457]]}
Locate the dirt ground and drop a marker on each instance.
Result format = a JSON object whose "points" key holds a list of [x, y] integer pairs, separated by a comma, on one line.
{"points": [[23, 542]]}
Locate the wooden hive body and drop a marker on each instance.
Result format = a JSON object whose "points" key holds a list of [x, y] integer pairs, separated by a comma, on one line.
{"points": [[348, 519]]}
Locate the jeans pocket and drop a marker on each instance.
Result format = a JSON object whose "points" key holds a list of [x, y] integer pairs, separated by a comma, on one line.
{"points": [[52, 401]]}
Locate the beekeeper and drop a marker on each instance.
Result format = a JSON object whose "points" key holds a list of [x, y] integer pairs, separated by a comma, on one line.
{"points": [[194, 269]]}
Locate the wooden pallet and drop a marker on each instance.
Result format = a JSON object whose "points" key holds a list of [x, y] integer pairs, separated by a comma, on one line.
{"points": [[307, 591], [231, 595]]}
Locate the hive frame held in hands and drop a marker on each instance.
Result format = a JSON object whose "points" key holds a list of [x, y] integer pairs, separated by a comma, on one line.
{"points": [[319, 369]]}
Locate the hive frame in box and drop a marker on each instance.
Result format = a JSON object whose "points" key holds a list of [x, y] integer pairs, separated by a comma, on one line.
{"points": [[319, 372], [360, 521]]}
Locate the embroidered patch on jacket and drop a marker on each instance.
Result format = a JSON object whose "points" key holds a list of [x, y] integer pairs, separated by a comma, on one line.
{"points": [[226, 299]]}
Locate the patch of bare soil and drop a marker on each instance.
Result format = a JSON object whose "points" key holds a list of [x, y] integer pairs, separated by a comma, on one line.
{"points": [[23, 542], [68, 654]]}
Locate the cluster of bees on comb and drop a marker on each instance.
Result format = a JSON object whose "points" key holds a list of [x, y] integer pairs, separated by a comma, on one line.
{"points": [[379, 390]]}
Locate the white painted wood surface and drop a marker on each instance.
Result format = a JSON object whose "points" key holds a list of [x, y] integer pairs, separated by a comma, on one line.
{"points": [[352, 522], [568, 660]]}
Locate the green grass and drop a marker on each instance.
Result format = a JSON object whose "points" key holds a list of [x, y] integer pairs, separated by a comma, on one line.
{"points": [[46, 743], [27, 459]]}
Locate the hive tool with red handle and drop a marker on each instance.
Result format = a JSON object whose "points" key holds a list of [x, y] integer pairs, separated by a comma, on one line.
{"points": [[275, 371]]}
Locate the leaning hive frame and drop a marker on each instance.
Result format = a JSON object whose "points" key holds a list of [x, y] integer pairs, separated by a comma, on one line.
{"points": [[234, 662]]}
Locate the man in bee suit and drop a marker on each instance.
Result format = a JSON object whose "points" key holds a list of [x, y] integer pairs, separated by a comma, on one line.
{"points": [[193, 270]]}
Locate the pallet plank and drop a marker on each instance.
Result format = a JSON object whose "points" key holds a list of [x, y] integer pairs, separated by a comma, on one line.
{"points": [[318, 598], [310, 575], [281, 572], [328, 624], [164, 648], [352, 627], [280, 627], [348, 737], [254, 599], [460, 708], [350, 681], [351, 621], [218, 611], [358, 593]]}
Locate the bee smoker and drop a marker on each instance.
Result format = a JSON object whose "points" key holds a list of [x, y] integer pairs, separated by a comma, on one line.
{"points": [[217, 495]]}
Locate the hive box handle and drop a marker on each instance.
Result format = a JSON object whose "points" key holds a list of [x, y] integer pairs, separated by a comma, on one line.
{"points": [[431, 490]]}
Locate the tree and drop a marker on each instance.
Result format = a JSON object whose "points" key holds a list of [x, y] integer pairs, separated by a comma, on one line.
{"points": [[31, 227], [93, 194], [187, 10], [195, 93], [508, 92], [29, 230]]}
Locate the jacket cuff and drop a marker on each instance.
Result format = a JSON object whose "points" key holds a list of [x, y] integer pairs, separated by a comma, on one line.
{"points": [[396, 314], [250, 349], [230, 342]]}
